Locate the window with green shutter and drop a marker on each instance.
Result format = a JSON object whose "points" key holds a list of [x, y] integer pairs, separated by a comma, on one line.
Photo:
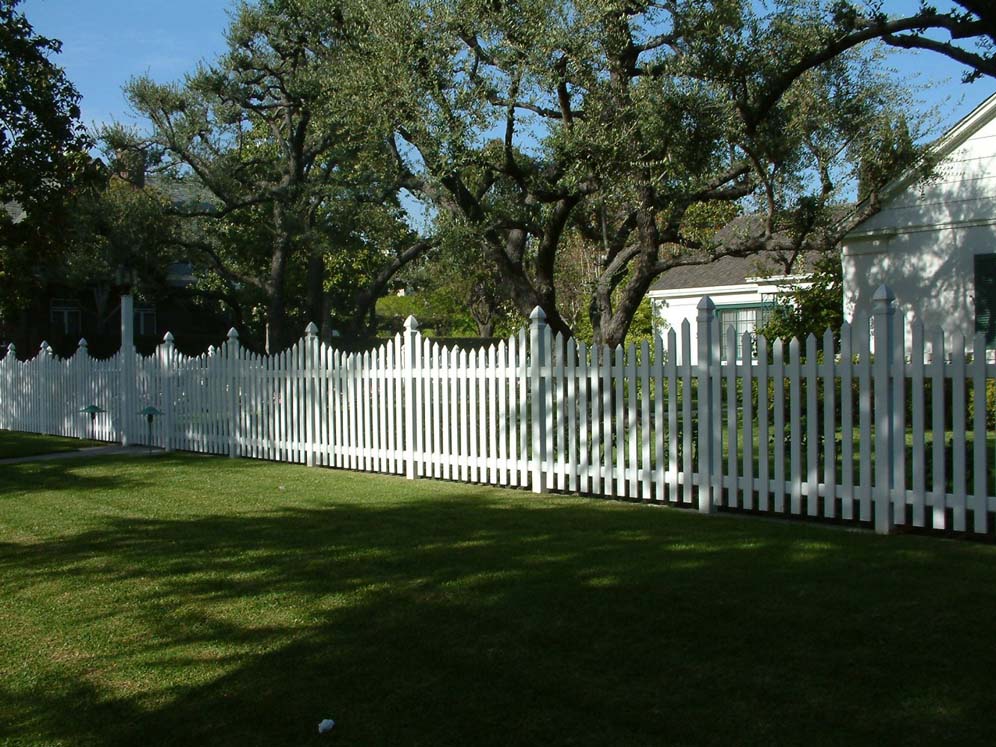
{"points": [[985, 297]]}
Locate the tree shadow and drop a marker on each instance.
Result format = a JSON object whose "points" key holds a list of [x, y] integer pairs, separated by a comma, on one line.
{"points": [[477, 618]]}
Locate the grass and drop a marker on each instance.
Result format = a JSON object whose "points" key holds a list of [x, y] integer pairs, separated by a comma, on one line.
{"points": [[189, 600], [14, 444]]}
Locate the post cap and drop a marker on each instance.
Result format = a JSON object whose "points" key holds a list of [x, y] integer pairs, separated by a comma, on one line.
{"points": [[11, 349], [82, 343], [233, 334], [706, 304], [707, 310], [311, 330], [411, 324], [538, 315], [884, 294], [168, 338]]}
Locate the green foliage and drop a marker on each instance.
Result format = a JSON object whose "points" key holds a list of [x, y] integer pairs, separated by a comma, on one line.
{"points": [[296, 213], [644, 127], [43, 156], [811, 310], [120, 226], [42, 144]]}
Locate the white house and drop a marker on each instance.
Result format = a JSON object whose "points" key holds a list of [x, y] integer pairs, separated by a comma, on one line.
{"points": [[744, 290], [934, 241]]}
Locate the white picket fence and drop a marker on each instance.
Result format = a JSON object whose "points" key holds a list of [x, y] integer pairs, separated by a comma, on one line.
{"points": [[893, 438]]}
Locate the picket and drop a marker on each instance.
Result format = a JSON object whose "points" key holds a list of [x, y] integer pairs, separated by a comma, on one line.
{"points": [[979, 499], [957, 501], [938, 498], [812, 429]]}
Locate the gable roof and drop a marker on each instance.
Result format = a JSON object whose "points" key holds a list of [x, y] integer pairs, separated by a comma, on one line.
{"points": [[730, 271], [940, 149]]}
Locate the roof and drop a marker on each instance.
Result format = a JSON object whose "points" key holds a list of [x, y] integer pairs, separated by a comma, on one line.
{"points": [[729, 271]]}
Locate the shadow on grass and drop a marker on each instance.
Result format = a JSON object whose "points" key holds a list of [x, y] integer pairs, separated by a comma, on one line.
{"points": [[70, 475], [476, 617]]}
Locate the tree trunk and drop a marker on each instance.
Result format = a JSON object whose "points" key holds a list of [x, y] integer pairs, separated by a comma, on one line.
{"points": [[315, 294], [276, 312]]}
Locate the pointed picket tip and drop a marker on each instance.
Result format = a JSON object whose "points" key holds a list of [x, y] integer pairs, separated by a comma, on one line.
{"points": [[538, 315], [233, 334], [311, 330]]}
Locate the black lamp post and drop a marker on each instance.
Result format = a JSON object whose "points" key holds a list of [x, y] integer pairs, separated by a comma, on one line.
{"points": [[92, 411], [150, 413]]}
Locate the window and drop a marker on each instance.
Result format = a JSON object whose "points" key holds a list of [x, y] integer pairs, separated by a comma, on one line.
{"points": [[65, 318], [985, 297], [746, 318], [145, 321]]}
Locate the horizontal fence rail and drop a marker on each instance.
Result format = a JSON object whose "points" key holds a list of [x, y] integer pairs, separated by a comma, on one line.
{"points": [[866, 430]]}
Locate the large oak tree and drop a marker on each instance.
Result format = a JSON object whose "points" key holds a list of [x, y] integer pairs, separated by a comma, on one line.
{"points": [[288, 198], [644, 126]]}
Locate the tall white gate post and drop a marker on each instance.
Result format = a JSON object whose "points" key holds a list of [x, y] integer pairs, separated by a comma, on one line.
{"points": [[538, 356], [127, 369], [883, 310], [231, 359], [706, 314], [167, 352], [7, 402], [311, 372], [46, 379]]}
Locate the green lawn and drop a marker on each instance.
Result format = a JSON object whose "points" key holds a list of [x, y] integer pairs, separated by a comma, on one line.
{"points": [[187, 600], [14, 444]]}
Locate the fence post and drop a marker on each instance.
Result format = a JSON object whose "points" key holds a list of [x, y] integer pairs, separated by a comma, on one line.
{"points": [[45, 379], [232, 367], [167, 355], [409, 365], [883, 310], [706, 314], [127, 368], [311, 368], [537, 362], [10, 411]]}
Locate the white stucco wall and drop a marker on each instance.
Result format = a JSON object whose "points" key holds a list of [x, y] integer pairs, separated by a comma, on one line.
{"points": [[923, 241]]}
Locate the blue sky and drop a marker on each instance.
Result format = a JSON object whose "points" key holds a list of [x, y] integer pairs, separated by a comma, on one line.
{"points": [[106, 42]]}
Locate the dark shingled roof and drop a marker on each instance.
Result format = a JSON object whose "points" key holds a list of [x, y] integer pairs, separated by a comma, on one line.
{"points": [[728, 271], [736, 270]]}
